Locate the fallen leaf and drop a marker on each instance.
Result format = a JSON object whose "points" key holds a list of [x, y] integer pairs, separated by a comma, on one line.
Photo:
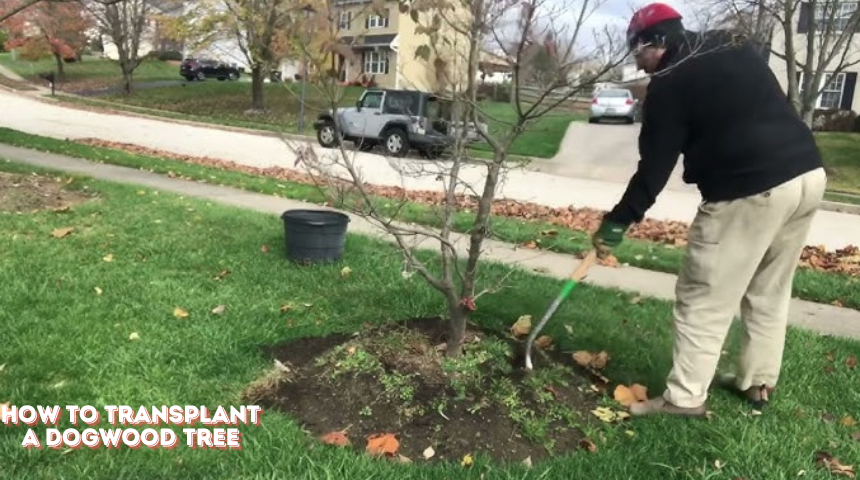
{"points": [[63, 209], [609, 415], [829, 356], [345, 271], [549, 233], [551, 389], [848, 421], [180, 312], [4, 406], [568, 329], [851, 362], [59, 384], [635, 300], [429, 453], [382, 444], [335, 438], [2, 367], [522, 326], [286, 307], [281, 367], [219, 309], [828, 369], [98, 291], [62, 232], [134, 336], [718, 464], [591, 360], [221, 275], [827, 417], [825, 460], [467, 460], [588, 445], [855, 436], [543, 342], [403, 458], [108, 257], [528, 462], [264, 249], [629, 395], [531, 245], [630, 433]]}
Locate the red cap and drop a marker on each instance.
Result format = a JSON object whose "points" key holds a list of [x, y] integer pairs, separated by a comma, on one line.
{"points": [[648, 16]]}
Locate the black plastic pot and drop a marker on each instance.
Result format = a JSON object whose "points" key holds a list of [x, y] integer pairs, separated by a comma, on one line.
{"points": [[314, 236]]}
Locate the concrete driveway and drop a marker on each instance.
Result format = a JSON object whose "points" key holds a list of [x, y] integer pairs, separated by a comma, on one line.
{"points": [[605, 151]]}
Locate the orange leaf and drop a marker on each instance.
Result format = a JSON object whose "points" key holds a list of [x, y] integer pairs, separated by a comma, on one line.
{"points": [[825, 460], [543, 342], [382, 444], [335, 438], [629, 395]]}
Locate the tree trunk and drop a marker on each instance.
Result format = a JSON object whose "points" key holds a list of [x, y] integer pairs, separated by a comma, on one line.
{"points": [[456, 329], [127, 80], [807, 115], [257, 87], [61, 73]]}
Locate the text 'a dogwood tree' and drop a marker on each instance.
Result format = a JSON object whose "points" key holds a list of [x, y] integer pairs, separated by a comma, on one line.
{"points": [[552, 60]]}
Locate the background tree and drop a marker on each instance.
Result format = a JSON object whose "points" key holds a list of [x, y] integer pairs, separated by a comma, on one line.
{"points": [[50, 28], [124, 22], [10, 8], [456, 34], [817, 40]]}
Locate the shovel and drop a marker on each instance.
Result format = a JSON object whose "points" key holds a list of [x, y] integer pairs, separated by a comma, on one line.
{"points": [[572, 281]]}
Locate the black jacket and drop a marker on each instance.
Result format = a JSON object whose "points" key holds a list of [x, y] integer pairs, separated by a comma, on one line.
{"points": [[716, 101]]}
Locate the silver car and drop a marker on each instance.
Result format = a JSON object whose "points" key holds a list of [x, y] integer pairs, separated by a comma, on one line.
{"points": [[613, 103]]}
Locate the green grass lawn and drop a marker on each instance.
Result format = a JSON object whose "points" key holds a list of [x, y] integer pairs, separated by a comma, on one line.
{"points": [[65, 344], [90, 68], [841, 153], [808, 284]]}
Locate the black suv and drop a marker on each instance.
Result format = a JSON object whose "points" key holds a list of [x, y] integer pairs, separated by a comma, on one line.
{"points": [[201, 69]]}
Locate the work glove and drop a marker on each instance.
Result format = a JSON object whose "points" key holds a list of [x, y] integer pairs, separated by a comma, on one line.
{"points": [[608, 236]]}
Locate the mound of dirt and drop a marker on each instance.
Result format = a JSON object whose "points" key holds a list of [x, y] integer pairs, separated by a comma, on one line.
{"points": [[21, 193], [393, 382]]}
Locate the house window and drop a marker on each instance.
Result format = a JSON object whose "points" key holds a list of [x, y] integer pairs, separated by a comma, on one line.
{"points": [[833, 16], [831, 95], [376, 62], [345, 20], [831, 88], [377, 21]]}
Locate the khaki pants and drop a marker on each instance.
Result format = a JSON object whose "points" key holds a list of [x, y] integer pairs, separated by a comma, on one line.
{"points": [[741, 253]]}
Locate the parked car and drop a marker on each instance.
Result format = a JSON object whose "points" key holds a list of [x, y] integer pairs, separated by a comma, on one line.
{"points": [[399, 120], [615, 103], [201, 69]]}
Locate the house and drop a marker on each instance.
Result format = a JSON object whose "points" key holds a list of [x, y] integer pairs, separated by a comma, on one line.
{"points": [[382, 46], [839, 91]]}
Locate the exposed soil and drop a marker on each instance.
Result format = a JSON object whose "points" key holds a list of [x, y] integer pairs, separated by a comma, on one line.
{"points": [[670, 233], [394, 379], [32, 193]]}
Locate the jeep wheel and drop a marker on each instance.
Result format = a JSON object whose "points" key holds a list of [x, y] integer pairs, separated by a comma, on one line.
{"points": [[232, 76], [201, 76], [326, 135], [396, 143]]}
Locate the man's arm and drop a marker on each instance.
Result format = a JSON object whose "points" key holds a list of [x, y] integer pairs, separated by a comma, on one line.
{"points": [[664, 131]]}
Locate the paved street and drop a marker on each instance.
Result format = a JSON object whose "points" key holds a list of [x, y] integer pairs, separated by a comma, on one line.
{"points": [[834, 230]]}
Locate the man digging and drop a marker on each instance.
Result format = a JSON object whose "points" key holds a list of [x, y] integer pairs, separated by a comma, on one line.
{"points": [[761, 178]]}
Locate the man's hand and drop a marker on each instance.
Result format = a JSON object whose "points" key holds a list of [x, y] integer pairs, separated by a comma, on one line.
{"points": [[608, 236]]}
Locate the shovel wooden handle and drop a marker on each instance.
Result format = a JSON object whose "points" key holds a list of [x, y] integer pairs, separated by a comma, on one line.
{"points": [[582, 269]]}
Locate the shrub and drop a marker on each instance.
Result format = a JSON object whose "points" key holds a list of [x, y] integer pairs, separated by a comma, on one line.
{"points": [[834, 121]]}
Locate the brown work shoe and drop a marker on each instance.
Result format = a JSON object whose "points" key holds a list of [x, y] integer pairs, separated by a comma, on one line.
{"points": [[660, 405]]}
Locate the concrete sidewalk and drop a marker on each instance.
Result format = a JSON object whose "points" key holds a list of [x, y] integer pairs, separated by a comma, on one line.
{"points": [[825, 319]]}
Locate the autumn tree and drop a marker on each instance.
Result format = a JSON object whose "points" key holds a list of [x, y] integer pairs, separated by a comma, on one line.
{"points": [[817, 40], [50, 28], [454, 36], [8, 8], [125, 22]]}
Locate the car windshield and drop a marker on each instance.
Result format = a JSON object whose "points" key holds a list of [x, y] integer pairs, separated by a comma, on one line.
{"points": [[614, 94]]}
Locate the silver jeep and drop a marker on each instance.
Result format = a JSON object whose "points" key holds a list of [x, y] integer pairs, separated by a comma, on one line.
{"points": [[398, 120]]}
